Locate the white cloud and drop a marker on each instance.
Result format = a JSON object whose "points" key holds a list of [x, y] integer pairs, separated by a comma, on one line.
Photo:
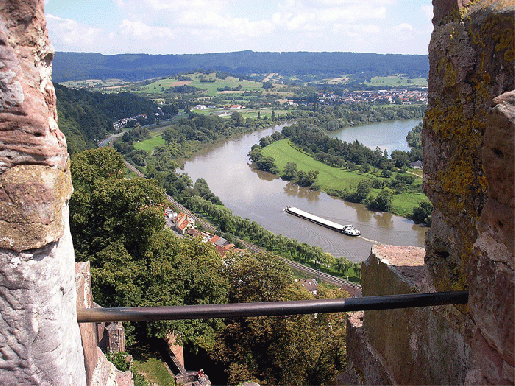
{"points": [[71, 34], [189, 26], [142, 31], [427, 10], [404, 27], [353, 13]]}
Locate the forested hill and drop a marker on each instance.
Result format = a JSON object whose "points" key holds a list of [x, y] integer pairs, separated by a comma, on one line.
{"points": [[132, 67], [85, 117]]}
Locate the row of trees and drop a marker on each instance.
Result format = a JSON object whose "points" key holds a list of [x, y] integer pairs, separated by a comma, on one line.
{"points": [[73, 66]]}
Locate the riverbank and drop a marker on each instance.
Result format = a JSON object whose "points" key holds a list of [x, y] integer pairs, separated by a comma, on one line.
{"points": [[195, 147], [332, 180]]}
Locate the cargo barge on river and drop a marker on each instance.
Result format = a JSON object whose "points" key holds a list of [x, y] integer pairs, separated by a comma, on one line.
{"points": [[349, 230]]}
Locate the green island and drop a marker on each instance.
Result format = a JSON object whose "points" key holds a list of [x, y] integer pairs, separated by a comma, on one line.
{"points": [[332, 179]]}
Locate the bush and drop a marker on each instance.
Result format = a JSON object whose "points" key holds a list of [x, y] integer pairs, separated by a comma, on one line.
{"points": [[383, 202], [119, 360], [422, 213]]}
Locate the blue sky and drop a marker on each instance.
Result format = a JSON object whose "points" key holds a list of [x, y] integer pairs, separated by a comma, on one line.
{"points": [[202, 26]]}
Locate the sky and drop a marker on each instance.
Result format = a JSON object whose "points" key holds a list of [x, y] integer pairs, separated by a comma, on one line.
{"points": [[209, 26]]}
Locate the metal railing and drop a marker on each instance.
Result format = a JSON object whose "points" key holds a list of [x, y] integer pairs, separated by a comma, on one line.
{"points": [[233, 310]]}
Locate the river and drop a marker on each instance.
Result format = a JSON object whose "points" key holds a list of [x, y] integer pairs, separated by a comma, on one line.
{"points": [[261, 197], [387, 136]]}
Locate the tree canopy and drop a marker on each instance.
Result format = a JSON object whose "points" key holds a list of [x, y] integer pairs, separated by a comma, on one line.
{"points": [[293, 350], [118, 225]]}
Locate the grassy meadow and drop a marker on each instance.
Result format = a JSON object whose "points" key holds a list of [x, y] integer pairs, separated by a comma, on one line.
{"points": [[149, 144], [336, 178]]}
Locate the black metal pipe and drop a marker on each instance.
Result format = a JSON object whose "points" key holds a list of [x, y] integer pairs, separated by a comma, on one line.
{"points": [[208, 311]]}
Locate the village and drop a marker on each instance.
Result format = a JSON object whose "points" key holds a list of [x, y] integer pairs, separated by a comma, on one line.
{"points": [[397, 96]]}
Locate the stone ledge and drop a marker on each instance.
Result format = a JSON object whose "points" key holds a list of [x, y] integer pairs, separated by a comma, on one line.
{"points": [[363, 364], [392, 270], [406, 345]]}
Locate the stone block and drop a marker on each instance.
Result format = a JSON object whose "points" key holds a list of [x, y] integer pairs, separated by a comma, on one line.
{"points": [[39, 336], [106, 374], [491, 302], [88, 331], [498, 150], [410, 342], [32, 198], [365, 365]]}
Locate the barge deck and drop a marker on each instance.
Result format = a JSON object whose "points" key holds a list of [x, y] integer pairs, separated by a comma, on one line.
{"points": [[345, 229]]}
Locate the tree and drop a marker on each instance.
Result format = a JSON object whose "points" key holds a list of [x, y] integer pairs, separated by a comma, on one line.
{"points": [[184, 272], [400, 158], [290, 171], [291, 350], [422, 213], [267, 164], [306, 178], [362, 191], [237, 118], [383, 201], [91, 165], [118, 225], [342, 264]]}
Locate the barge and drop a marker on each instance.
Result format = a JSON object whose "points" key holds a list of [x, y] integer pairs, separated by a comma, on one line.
{"points": [[349, 230]]}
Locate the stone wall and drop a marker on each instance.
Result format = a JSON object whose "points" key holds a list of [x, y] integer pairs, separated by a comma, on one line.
{"points": [[99, 371], [469, 145], [468, 139], [39, 335], [423, 345]]}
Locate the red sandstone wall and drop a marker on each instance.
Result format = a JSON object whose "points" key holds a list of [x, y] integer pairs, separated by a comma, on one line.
{"points": [[39, 336], [469, 146]]}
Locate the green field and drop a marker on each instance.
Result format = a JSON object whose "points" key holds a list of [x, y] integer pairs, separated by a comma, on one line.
{"points": [[335, 178], [328, 177], [211, 88], [245, 113], [397, 81], [154, 371], [149, 144]]}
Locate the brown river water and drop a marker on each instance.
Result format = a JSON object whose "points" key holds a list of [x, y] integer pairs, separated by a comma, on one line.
{"points": [[262, 197]]}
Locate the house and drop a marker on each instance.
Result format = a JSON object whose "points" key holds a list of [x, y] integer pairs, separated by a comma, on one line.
{"points": [[170, 214], [224, 249], [170, 217], [416, 165], [184, 222]]}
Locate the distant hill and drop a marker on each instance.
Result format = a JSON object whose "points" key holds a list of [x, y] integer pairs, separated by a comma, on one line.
{"points": [[69, 66]]}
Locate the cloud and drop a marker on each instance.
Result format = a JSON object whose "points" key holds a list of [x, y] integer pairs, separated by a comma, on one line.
{"points": [[427, 10], [404, 27], [190, 26], [72, 34], [142, 31], [353, 13]]}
